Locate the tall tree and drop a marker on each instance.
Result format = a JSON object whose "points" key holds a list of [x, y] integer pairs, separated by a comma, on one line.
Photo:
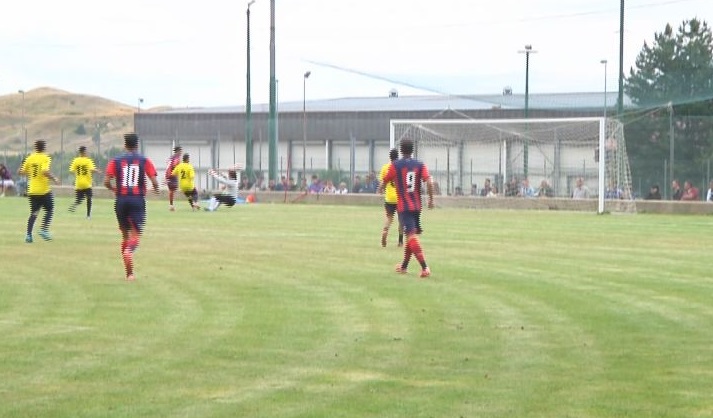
{"points": [[677, 68], [673, 76]]}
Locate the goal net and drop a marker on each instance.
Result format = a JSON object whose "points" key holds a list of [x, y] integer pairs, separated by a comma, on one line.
{"points": [[579, 163]]}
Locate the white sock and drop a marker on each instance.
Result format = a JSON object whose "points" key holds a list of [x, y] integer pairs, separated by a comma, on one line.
{"points": [[214, 204]]}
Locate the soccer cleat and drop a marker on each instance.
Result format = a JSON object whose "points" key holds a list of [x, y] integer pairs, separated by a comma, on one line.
{"points": [[28, 239], [45, 235], [400, 269], [130, 278], [425, 273], [171, 208]]}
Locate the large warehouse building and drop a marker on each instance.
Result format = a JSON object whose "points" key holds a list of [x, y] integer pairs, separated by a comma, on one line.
{"points": [[349, 136]]}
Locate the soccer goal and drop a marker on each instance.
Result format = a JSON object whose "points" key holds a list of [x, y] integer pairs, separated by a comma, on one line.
{"points": [[555, 154]]}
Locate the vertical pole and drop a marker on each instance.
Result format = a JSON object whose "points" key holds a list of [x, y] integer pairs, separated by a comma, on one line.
{"points": [[602, 165], [525, 153], [605, 87], [671, 140], [272, 131], [620, 99], [248, 105], [304, 124]]}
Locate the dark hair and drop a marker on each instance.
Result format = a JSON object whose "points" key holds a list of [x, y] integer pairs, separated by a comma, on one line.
{"points": [[186, 157], [177, 148], [40, 145], [232, 174], [393, 154], [82, 149], [131, 140], [406, 147]]}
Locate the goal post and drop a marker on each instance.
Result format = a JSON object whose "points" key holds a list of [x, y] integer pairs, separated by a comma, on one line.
{"points": [[561, 157]]}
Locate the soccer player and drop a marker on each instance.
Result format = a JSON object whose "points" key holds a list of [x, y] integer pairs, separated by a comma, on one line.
{"points": [[407, 175], [126, 177], [171, 180], [186, 175], [37, 169], [230, 185], [390, 200], [83, 167]]}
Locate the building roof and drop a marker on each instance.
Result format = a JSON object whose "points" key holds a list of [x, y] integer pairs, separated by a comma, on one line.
{"points": [[553, 101]]}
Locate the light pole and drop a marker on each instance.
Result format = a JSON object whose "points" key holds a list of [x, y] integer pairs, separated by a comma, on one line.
{"points": [[670, 141], [304, 124], [527, 51], [22, 120], [138, 105], [605, 87], [248, 104], [272, 118], [620, 95]]}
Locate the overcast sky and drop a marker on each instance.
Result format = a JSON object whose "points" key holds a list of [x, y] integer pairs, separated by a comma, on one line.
{"points": [[187, 53]]}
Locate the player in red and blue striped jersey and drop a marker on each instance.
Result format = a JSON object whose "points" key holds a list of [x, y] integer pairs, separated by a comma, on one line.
{"points": [[407, 175], [172, 180], [126, 177]]}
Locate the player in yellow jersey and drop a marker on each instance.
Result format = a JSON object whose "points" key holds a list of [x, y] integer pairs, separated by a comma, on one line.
{"points": [[390, 199], [83, 167], [186, 175], [37, 169]]}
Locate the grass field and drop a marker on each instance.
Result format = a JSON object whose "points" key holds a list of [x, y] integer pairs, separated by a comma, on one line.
{"points": [[294, 311]]}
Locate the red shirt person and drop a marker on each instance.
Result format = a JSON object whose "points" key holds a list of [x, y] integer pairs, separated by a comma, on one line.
{"points": [[126, 176], [407, 175]]}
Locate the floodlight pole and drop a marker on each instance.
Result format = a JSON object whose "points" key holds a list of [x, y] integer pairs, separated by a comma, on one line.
{"points": [[605, 87], [620, 98], [304, 124], [527, 51], [272, 121], [248, 105]]}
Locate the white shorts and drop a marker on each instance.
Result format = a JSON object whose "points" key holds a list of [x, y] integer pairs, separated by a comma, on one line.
{"points": [[7, 183]]}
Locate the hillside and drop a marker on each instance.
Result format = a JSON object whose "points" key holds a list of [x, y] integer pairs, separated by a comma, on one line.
{"points": [[66, 120]]}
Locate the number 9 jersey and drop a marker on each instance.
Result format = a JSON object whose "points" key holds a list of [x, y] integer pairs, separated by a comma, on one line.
{"points": [[407, 175], [130, 171]]}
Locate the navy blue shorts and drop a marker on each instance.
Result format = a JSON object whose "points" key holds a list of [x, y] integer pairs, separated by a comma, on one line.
{"points": [[411, 221], [390, 208], [130, 212], [172, 183]]}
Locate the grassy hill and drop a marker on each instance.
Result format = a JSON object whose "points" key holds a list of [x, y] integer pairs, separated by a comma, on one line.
{"points": [[66, 120]]}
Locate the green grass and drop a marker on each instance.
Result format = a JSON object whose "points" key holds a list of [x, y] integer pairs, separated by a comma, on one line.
{"points": [[294, 311]]}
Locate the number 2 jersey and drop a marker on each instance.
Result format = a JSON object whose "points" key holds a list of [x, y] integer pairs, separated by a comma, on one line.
{"points": [[130, 171], [407, 175]]}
